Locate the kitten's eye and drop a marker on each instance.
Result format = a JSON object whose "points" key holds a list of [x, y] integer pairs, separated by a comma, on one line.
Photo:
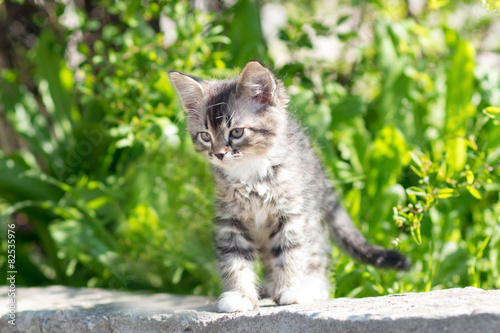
{"points": [[237, 133], [205, 136]]}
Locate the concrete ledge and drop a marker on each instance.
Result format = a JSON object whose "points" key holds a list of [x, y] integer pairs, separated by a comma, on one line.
{"points": [[75, 310]]}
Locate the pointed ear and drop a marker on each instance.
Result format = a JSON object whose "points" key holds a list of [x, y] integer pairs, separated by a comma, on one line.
{"points": [[258, 83], [189, 88]]}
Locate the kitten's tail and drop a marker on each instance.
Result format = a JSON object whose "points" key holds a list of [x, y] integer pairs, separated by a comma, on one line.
{"points": [[349, 238]]}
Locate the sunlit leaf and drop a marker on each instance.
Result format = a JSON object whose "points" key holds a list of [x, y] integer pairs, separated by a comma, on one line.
{"points": [[177, 275], [491, 4], [416, 165], [59, 94], [474, 192], [415, 232], [388, 154], [446, 193], [491, 111], [416, 191], [460, 85], [470, 176]]}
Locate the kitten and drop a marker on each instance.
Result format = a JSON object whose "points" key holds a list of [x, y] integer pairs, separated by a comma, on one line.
{"points": [[272, 197]]}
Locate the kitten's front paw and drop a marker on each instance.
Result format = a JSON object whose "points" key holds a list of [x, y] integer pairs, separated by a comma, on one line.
{"points": [[234, 301]]}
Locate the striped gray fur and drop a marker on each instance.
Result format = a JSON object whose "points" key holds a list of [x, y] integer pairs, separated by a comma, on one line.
{"points": [[273, 200]]}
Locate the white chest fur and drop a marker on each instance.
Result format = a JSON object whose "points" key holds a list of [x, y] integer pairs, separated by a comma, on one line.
{"points": [[252, 191], [250, 169]]}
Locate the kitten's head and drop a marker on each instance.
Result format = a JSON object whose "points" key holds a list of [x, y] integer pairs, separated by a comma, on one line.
{"points": [[233, 120]]}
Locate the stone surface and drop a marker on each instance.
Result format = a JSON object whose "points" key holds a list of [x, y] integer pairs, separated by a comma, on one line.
{"points": [[75, 310]]}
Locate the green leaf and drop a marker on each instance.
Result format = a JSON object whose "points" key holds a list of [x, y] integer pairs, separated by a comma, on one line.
{"points": [[492, 5], [491, 112], [446, 193], [70, 269], [24, 115], [470, 176], [343, 18], [345, 37], [474, 192], [415, 233], [482, 247], [387, 156], [416, 165], [395, 82], [460, 88], [17, 185], [80, 240], [245, 32], [56, 84], [348, 108], [413, 190], [177, 275]]}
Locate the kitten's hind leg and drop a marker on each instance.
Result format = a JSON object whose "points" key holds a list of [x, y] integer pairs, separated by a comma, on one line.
{"points": [[300, 260], [310, 289]]}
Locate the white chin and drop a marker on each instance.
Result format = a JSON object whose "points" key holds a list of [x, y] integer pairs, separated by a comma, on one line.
{"points": [[227, 162]]}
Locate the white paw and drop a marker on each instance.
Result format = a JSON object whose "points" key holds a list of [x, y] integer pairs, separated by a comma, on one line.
{"points": [[309, 290], [234, 301]]}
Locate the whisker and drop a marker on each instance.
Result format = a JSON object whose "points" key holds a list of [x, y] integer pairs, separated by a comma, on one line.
{"points": [[192, 111], [231, 117], [180, 117], [221, 103]]}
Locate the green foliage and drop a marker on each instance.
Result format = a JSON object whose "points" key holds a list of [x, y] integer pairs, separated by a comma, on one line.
{"points": [[109, 179], [108, 191]]}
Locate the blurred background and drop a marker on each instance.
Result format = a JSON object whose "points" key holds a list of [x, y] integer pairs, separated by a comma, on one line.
{"points": [[100, 180]]}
